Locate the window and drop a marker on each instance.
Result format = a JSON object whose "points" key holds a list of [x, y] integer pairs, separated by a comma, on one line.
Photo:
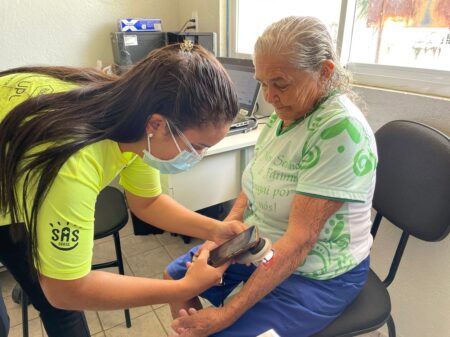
{"points": [[253, 16], [402, 33], [398, 44]]}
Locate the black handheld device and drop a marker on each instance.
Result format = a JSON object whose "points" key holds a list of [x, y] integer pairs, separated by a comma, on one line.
{"points": [[234, 247]]}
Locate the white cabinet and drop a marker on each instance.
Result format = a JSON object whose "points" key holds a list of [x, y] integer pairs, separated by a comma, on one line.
{"points": [[217, 178]]}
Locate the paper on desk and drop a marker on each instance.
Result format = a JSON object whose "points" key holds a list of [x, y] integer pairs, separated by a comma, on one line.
{"points": [[269, 333]]}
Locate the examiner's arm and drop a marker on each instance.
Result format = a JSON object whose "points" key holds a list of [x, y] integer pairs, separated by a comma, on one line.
{"points": [[106, 291], [165, 213], [307, 218]]}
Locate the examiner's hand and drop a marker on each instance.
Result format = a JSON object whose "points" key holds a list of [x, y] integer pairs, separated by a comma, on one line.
{"points": [[226, 230], [208, 245], [200, 275]]}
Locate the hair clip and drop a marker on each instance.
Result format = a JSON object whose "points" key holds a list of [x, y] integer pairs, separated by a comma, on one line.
{"points": [[187, 46]]}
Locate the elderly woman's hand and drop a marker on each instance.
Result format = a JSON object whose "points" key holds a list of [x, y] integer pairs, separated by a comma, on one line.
{"points": [[201, 323]]}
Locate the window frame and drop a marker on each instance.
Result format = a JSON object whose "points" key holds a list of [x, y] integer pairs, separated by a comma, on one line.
{"points": [[416, 80]]}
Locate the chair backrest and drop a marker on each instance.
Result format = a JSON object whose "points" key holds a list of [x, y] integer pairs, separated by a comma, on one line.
{"points": [[111, 212], [413, 179]]}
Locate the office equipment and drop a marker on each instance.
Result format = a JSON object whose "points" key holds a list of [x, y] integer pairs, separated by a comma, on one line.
{"points": [[139, 25], [131, 47], [242, 73], [412, 192]]}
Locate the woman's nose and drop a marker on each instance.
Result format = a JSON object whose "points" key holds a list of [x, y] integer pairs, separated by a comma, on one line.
{"points": [[270, 96]]}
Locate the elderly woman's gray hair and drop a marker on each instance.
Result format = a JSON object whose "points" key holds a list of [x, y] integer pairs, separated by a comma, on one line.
{"points": [[305, 43]]}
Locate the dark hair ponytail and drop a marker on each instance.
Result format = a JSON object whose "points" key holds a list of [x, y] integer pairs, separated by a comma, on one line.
{"points": [[37, 137]]}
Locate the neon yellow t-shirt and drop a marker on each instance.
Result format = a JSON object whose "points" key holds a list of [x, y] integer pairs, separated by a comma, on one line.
{"points": [[65, 228]]}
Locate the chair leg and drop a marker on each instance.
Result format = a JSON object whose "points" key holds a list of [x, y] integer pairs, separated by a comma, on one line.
{"points": [[391, 326], [121, 272], [24, 303]]}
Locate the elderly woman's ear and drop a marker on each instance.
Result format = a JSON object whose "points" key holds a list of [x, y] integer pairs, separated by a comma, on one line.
{"points": [[326, 70]]}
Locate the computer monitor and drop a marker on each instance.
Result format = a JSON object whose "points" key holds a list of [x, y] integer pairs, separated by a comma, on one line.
{"points": [[242, 73]]}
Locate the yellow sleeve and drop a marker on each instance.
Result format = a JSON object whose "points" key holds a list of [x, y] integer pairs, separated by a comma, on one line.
{"points": [[65, 229], [141, 179]]}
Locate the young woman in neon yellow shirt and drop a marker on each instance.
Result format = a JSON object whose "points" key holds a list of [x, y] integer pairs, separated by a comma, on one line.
{"points": [[65, 134]]}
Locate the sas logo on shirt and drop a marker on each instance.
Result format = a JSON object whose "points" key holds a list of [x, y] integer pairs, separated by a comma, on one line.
{"points": [[64, 237]]}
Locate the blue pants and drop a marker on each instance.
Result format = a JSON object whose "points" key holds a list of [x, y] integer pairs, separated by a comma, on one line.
{"points": [[4, 319], [297, 307]]}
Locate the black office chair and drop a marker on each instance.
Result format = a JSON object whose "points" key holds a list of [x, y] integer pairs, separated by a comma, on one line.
{"points": [[413, 193], [111, 215]]}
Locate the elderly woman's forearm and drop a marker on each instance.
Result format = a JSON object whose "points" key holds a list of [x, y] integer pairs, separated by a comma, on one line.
{"points": [[307, 218], [288, 256]]}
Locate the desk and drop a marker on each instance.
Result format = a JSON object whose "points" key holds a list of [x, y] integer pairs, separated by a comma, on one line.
{"points": [[217, 178]]}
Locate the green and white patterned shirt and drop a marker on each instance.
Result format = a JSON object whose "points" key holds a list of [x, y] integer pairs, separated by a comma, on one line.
{"points": [[330, 154]]}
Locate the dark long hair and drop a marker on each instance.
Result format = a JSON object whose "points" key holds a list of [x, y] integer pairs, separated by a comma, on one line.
{"points": [[190, 88]]}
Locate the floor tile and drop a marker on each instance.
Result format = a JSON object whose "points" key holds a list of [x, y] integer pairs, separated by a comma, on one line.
{"points": [[147, 325], [34, 329], [101, 334], [179, 248], [113, 318], [168, 238], [7, 283], [103, 251], [150, 263], [15, 311], [93, 322], [133, 245], [128, 229], [165, 317]]}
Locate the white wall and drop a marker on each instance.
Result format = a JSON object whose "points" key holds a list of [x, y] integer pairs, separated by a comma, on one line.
{"points": [[211, 17], [68, 32]]}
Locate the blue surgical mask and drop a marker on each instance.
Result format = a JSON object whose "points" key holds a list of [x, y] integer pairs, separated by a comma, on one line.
{"points": [[184, 161]]}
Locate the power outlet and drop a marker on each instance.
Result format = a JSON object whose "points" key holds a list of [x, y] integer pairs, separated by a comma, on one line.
{"points": [[194, 16]]}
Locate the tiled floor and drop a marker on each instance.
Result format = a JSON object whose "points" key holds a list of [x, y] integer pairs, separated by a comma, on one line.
{"points": [[143, 256]]}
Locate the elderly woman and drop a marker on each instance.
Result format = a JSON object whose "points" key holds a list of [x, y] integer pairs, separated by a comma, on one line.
{"points": [[308, 188]]}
